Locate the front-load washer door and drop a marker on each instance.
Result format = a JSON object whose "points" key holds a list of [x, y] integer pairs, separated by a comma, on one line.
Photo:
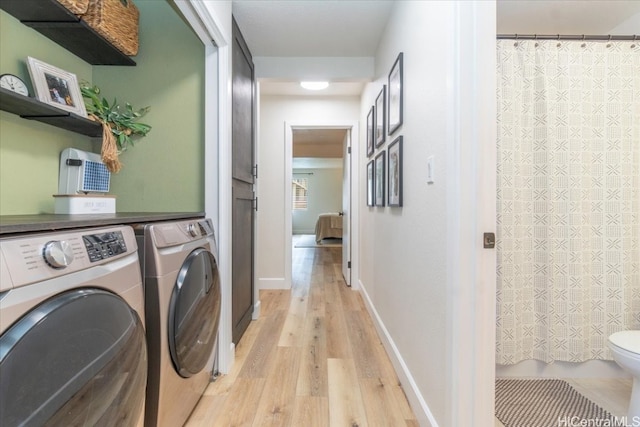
{"points": [[194, 313], [78, 359]]}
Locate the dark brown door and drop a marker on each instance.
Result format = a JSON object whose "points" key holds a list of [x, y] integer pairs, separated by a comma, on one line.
{"points": [[243, 89]]}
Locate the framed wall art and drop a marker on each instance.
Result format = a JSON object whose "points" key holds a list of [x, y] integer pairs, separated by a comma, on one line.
{"points": [[370, 131], [381, 128], [370, 183], [379, 179], [56, 87], [394, 193], [394, 107]]}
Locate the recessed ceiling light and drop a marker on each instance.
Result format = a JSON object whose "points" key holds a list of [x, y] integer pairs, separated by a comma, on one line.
{"points": [[314, 85]]}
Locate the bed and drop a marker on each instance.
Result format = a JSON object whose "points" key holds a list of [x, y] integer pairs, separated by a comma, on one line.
{"points": [[329, 225]]}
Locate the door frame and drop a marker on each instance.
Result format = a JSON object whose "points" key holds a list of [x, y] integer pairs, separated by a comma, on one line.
{"points": [[352, 127], [209, 27], [347, 176]]}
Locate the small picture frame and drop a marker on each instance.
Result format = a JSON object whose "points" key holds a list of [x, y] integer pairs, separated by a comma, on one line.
{"points": [[394, 193], [395, 95], [370, 131], [381, 111], [379, 179], [370, 183], [56, 87]]}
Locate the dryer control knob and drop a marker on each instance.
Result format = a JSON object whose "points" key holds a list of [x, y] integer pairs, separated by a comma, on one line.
{"points": [[191, 229], [57, 253]]}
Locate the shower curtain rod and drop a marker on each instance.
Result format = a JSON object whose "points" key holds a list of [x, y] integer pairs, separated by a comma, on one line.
{"points": [[566, 37]]}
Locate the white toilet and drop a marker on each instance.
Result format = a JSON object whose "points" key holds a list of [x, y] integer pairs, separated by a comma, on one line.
{"points": [[625, 346]]}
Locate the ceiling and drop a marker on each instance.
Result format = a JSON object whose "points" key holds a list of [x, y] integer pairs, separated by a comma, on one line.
{"points": [[319, 143], [347, 28], [294, 88], [312, 27], [352, 28]]}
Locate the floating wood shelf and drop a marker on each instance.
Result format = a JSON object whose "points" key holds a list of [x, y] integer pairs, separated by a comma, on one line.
{"points": [[52, 20], [32, 109]]}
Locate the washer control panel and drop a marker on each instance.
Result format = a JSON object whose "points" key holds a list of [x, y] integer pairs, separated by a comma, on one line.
{"points": [[38, 257], [58, 253], [178, 233], [105, 245]]}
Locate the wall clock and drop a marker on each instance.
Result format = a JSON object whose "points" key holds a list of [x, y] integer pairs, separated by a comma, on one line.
{"points": [[14, 84]]}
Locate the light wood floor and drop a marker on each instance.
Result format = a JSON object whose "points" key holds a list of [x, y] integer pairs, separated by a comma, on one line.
{"points": [[300, 365]]}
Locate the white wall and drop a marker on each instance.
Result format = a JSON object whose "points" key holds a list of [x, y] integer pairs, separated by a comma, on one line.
{"points": [[403, 264], [413, 269], [630, 26], [324, 195], [274, 112]]}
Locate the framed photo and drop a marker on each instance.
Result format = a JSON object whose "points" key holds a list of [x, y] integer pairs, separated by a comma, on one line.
{"points": [[370, 131], [56, 87], [395, 173], [380, 116], [395, 96], [379, 182], [370, 183]]}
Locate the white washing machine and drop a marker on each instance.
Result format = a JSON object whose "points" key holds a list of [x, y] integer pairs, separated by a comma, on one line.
{"points": [[182, 308], [72, 339]]}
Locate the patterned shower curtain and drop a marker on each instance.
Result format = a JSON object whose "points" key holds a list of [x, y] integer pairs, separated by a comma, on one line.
{"points": [[568, 198]]}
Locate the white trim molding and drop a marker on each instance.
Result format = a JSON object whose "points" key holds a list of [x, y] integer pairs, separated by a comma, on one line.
{"points": [[217, 147], [414, 396], [274, 283], [471, 212]]}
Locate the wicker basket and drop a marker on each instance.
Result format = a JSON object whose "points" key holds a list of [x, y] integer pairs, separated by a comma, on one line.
{"points": [[77, 7], [115, 22]]}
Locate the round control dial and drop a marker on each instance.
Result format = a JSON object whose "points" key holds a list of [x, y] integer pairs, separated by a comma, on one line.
{"points": [[57, 253], [191, 229]]}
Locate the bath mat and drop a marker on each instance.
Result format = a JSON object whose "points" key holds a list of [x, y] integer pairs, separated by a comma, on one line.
{"points": [[546, 403]]}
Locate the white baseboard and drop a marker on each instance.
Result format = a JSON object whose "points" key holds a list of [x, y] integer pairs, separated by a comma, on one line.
{"points": [[310, 231], [420, 408], [273, 283], [538, 369], [256, 310], [231, 357]]}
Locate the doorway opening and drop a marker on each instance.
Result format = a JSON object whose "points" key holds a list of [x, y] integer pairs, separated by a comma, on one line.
{"points": [[320, 192]]}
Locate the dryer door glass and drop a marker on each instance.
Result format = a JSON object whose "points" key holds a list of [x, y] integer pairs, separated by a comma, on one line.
{"points": [[79, 358], [194, 313]]}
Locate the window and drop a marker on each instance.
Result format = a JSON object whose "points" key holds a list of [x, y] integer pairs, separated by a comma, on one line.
{"points": [[299, 193]]}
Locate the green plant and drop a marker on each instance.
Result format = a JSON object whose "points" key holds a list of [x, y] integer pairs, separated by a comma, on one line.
{"points": [[123, 122]]}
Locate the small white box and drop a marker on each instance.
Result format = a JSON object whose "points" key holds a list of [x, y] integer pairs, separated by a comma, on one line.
{"points": [[84, 204]]}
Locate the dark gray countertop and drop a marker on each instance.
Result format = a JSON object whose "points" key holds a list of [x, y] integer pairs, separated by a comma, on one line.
{"points": [[10, 224]]}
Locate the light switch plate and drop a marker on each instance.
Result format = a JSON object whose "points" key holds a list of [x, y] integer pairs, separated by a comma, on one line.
{"points": [[430, 170]]}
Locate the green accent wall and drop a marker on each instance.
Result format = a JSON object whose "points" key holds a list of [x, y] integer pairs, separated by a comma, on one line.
{"points": [[165, 170], [30, 151]]}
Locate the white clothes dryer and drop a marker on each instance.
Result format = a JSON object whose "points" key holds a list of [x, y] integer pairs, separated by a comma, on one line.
{"points": [[72, 340], [182, 308]]}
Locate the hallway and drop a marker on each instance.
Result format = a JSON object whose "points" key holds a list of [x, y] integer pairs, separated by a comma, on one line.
{"points": [[312, 359]]}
